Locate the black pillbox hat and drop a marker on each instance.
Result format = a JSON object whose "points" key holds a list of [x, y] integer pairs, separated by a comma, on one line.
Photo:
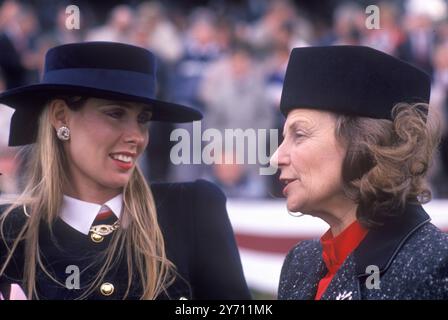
{"points": [[353, 80]]}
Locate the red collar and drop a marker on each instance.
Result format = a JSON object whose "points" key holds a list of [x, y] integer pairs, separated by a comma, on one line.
{"points": [[336, 249]]}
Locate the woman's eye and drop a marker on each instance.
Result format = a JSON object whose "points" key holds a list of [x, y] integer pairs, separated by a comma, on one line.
{"points": [[115, 114], [299, 135], [144, 119]]}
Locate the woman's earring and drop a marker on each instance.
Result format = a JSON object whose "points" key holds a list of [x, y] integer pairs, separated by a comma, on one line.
{"points": [[64, 133]]}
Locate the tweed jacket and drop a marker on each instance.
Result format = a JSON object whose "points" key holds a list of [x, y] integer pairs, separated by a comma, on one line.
{"points": [[410, 253]]}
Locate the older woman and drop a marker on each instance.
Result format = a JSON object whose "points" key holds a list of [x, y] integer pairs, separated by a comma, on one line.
{"points": [[87, 225], [357, 146]]}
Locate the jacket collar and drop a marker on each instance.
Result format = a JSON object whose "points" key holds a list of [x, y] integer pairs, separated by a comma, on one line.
{"points": [[381, 245]]}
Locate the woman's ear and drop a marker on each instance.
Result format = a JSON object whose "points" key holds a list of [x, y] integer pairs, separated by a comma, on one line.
{"points": [[59, 113]]}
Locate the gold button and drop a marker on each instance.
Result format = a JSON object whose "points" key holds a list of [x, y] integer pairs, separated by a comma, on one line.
{"points": [[107, 289], [96, 238]]}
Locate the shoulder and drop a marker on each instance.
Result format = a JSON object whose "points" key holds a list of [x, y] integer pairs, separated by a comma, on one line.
{"points": [[424, 256], [190, 203], [200, 184], [429, 241], [13, 220], [296, 269], [307, 250], [191, 191], [12, 223], [17, 213], [430, 244]]}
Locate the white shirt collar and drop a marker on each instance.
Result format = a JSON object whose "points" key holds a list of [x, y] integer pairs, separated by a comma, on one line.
{"points": [[80, 214]]}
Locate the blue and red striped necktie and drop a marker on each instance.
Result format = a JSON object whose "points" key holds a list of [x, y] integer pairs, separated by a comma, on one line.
{"points": [[105, 216]]}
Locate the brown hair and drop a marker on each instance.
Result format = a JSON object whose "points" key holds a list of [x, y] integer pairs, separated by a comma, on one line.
{"points": [[387, 161]]}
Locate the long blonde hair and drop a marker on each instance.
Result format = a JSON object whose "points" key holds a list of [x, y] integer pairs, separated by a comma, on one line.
{"points": [[141, 240]]}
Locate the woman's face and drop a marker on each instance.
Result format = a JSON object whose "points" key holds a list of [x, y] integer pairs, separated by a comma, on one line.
{"points": [[106, 139], [310, 159]]}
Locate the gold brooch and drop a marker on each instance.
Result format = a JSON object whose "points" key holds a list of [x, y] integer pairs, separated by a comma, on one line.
{"points": [[99, 231]]}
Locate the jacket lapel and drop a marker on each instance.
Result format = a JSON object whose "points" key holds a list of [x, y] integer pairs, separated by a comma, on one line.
{"points": [[302, 280], [308, 292], [344, 285]]}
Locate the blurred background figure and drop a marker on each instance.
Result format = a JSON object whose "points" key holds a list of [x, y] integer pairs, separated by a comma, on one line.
{"points": [[439, 98], [201, 48], [157, 32], [117, 28], [236, 180], [270, 26], [348, 25], [391, 35], [12, 45], [234, 96], [60, 34]]}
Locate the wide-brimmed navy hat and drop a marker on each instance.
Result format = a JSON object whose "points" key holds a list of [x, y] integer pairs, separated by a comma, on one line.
{"points": [[353, 80], [92, 69]]}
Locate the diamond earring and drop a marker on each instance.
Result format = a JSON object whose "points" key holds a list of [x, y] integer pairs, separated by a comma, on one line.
{"points": [[64, 133]]}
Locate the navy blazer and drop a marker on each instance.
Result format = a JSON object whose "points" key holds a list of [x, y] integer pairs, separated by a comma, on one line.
{"points": [[198, 238], [411, 255]]}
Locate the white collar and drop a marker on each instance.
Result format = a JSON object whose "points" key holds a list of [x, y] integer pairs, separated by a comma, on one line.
{"points": [[80, 214]]}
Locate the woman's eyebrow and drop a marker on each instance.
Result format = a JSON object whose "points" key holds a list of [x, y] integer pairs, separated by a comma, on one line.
{"points": [[296, 125], [126, 105], [117, 103]]}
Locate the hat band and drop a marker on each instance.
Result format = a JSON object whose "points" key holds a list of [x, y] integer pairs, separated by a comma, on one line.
{"points": [[120, 81]]}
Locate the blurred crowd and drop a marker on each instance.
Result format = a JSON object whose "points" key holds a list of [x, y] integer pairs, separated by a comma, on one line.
{"points": [[226, 58]]}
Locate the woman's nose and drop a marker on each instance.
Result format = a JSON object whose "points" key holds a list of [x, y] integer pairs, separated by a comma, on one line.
{"points": [[280, 157], [136, 133]]}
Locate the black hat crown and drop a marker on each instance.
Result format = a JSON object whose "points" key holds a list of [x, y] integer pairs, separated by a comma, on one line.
{"points": [[354, 80]]}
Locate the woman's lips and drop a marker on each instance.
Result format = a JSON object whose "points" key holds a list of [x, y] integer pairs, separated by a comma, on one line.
{"points": [[287, 182], [122, 165]]}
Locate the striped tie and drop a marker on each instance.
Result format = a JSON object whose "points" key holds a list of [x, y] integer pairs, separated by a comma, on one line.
{"points": [[105, 216]]}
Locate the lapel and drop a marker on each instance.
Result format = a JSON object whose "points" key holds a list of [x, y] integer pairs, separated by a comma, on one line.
{"points": [[308, 288], [345, 284], [379, 248], [301, 279]]}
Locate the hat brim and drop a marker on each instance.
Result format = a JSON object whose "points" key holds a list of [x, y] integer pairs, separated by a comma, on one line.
{"points": [[29, 100], [33, 95]]}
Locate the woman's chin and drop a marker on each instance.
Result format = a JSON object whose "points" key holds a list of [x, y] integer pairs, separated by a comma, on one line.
{"points": [[116, 183], [293, 206]]}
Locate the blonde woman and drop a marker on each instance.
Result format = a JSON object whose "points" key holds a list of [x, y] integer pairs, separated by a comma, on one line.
{"points": [[357, 146], [87, 225]]}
